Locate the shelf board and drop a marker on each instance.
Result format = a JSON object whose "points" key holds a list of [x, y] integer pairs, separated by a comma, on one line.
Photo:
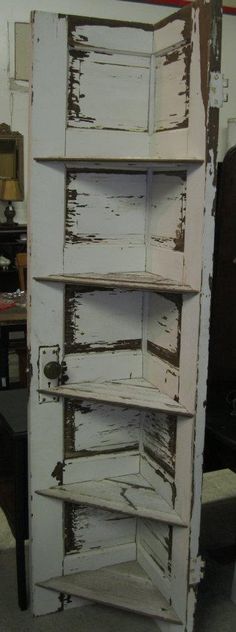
{"points": [[124, 586], [137, 393], [127, 159], [130, 494], [131, 280]]}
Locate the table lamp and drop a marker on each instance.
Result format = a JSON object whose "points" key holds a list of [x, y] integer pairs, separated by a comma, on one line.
{"points": [[10, 192]]}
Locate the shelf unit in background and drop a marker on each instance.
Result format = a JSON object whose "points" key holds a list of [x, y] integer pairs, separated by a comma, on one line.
{"points": [[122, 174]]}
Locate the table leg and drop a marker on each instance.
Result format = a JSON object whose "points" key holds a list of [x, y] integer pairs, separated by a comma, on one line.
{"points": [[21, 574], [4, 366], [21, 517]]}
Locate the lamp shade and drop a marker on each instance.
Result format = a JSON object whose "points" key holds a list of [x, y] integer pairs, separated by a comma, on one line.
{"points": [[10, 190]]}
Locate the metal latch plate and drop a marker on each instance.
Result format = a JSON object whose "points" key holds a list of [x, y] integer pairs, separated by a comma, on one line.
{"points": [[47, 355]]}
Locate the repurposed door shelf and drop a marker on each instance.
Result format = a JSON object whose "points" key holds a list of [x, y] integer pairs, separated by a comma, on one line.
{"points": [[123, 158]]}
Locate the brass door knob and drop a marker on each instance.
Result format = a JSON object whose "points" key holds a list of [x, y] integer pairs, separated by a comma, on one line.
{"points": [[52, 370]]}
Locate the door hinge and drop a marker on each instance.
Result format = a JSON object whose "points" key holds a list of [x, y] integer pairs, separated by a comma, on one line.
{"points": [[196, 572], [218, 90]]}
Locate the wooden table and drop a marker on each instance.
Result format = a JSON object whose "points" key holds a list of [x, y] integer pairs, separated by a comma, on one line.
{"points": [[12, 319], [13, 476]]}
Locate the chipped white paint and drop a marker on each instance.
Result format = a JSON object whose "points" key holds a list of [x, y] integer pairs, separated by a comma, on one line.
{"points": [[171, 102], [98, 557], [116, 79], [123, 39], [105, 205], [127, 354], [97, 428], [168, 210], [102, 321], [120, 365], [87, 528], [137, 280], [124, 586], [169, 35], [138, 395], [131, 495]]}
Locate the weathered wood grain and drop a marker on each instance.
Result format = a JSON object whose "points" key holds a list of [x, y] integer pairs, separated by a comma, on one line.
{"points": [[133, 392], [131, 280], [87, 529], [130, 494], [102, 320], [167, 210], [164, 327], [154, 553], [105, 205], [172, 89], [150, 103], [159, 440], [131, 161], [95, 429], [115, 78], [112, 35], [123, 586]]}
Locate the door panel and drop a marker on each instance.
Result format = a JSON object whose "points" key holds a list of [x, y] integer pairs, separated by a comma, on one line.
{"points": [[122, 175]]}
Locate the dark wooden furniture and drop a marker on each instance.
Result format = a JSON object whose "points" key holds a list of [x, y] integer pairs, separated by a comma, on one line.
{"points": [[13, 319], [220, 440], [220, 444], [13, 476], [12, 241]]}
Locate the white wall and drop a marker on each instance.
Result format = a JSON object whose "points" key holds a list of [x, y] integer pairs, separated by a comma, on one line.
{"points": [[14, 95]]}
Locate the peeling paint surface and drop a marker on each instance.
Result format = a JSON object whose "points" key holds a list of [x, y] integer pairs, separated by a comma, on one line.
{"points": [[92, 429], [159, 440], [88, 529]]}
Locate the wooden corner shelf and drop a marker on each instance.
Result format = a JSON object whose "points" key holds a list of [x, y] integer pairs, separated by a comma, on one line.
{"points": [[124, 585], [130, 494], [129, 280], [138, 393], [127, 159]]}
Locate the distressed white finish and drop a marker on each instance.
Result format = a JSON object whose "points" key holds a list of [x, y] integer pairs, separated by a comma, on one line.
{"points": [[170, 112], [129, 494], [91, 428], [124, 586], [111, 77], [135, 393], [120, 177], [88, 35], [137, 280]]}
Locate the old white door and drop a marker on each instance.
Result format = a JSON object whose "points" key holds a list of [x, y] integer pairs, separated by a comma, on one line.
{"points": [[123, 154]]}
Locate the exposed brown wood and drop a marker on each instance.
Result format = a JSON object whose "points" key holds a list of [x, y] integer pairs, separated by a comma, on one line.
{"points": [[131, 280]]}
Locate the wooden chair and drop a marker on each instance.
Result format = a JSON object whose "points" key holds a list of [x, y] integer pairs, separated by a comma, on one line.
{"points": [[21, 264]]}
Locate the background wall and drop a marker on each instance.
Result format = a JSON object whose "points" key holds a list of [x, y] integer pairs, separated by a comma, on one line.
{"points": [[14, 94]]}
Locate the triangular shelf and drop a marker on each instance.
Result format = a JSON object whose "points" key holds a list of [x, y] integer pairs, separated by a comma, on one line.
{"points": [[130, 494], [130, 280], [124, 586], [131, 392]]}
